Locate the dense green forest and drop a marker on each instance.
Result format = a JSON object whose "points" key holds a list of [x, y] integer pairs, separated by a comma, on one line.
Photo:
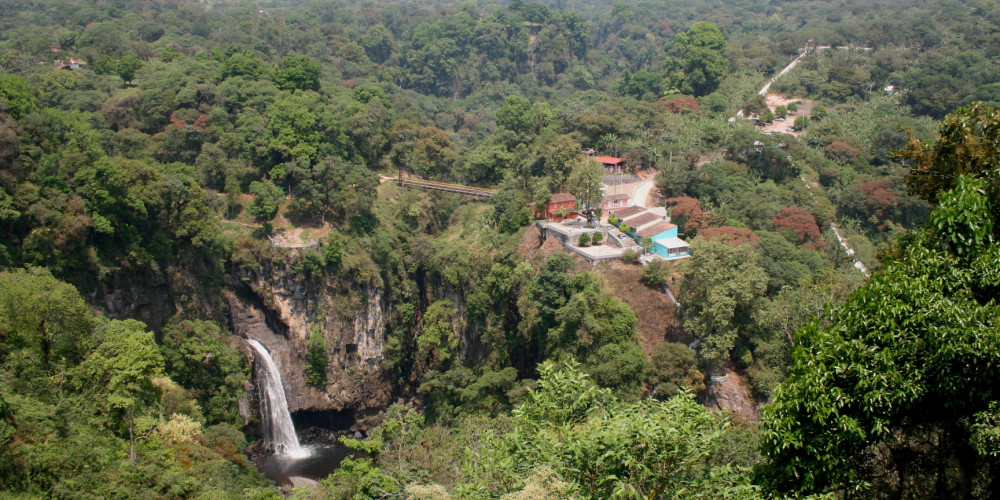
{"points": [[154, 156]]}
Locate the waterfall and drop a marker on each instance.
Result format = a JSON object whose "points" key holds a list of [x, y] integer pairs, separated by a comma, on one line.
{"points": [[278, 427]]}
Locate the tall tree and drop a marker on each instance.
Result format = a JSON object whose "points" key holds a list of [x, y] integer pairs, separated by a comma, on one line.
{"points": [[297, 72], [516, 114], [487, 164], [702, 51], [121, 371], [337, 187], [378, 43], [722, 285], [585, 183], [265, 202], [16, 96], [127, 67], [561, 155], [893, 392], [200, 356]]}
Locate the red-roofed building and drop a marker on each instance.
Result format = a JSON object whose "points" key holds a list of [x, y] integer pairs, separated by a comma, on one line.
{"points": [[70, 64], [559, 203], [611, 164]]}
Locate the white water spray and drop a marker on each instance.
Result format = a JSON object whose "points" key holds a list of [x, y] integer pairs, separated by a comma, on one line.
{"points": [[278, 427]]}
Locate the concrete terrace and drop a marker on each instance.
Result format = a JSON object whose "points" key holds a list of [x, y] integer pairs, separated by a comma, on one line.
{"points": [[598, 253]]}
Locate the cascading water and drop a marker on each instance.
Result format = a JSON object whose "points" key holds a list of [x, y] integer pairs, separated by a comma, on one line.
{"points": [[278, 427]]}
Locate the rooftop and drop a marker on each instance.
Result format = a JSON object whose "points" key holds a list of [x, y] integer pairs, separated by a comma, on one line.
{"points": [[643, 218], [671, 242], [655, 228], [629, 211], [560, 197], [608, 160], [615, 196]]}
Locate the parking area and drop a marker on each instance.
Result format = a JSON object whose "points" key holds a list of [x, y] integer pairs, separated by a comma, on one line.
{"points": [[781, 127]]}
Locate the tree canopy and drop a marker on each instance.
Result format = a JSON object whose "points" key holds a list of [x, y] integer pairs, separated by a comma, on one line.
{"points": [[902, 372]]}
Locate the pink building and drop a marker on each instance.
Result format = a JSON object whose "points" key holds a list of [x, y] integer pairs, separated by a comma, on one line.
{"points": [[612, 203]]}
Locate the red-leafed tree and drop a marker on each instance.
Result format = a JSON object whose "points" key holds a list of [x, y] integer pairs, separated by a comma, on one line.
{"points": [[842, 152], [686, 212], [733, 235], [880, 197], [680, 104], [800, 225]]}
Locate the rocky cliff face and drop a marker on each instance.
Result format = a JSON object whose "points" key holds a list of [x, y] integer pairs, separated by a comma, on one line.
{"points": [[154, 297], [149, 300], [282, 310]]}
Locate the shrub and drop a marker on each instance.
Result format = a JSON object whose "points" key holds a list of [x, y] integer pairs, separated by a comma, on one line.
{"points": [[655, 273], [597, 238], [743, 356], [333, 249], [263, 231], [613, 220], [624, 228], [763, 379], [584, 239], [647, 243], [674, 366], [265, 202], [316, 359], [630, 256]]}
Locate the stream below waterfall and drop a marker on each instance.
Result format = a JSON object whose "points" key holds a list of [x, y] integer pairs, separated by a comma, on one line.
{"points": [[321, 461]]}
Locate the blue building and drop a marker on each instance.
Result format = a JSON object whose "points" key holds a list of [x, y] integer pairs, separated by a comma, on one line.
{"points": [[666, 244]]}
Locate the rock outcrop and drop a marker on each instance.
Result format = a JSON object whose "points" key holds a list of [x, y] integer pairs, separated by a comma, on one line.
{"points": [[282, 310], [732, 393]]}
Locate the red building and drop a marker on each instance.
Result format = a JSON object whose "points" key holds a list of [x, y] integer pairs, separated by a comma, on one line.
{"points": [[559, 203], [611, 164]]}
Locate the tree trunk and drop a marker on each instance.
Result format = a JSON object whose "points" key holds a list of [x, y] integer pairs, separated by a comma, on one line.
{"points": [[131, 438]]}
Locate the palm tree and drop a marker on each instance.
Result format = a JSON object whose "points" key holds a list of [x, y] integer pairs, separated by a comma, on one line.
{"points": [[609, 140]]}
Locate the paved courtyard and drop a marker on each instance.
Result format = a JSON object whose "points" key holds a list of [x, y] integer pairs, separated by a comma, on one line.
{"points": [[599, 251]]}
